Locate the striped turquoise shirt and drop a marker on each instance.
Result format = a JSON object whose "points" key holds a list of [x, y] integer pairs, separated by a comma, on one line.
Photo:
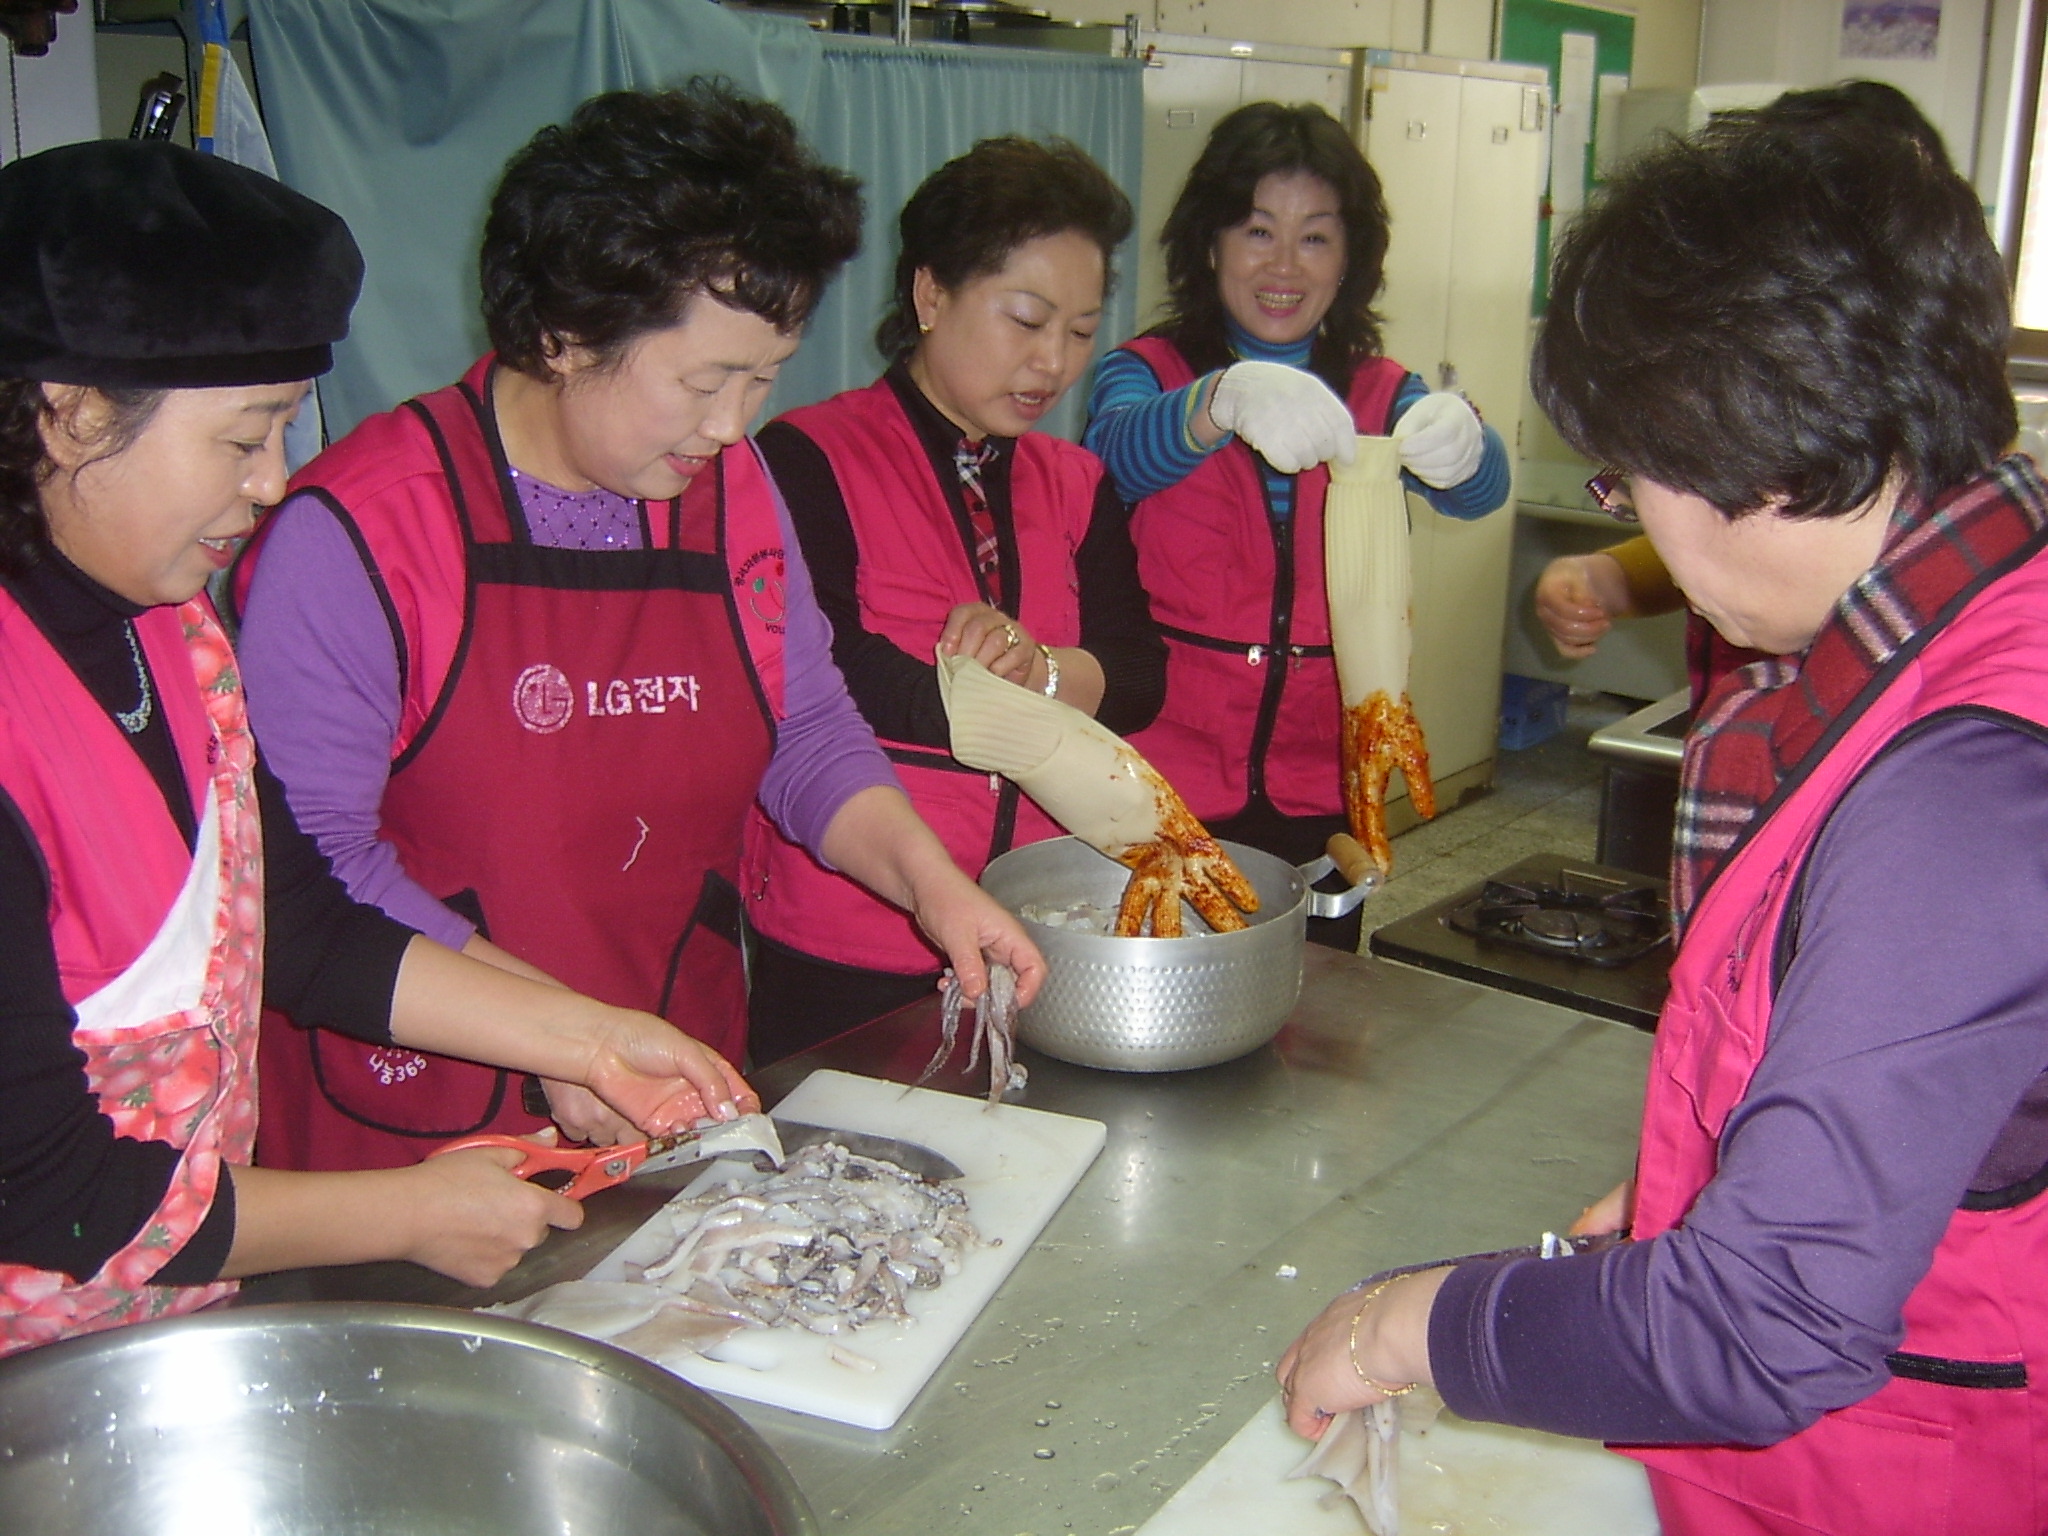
{"points": [[1143, 433]]}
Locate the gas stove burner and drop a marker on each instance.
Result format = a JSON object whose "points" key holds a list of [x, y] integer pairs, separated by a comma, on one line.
{"points": [[1595, 928]]}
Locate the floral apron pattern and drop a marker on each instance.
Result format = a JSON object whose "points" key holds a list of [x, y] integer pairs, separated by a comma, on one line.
{"points": [[188, 1076]]}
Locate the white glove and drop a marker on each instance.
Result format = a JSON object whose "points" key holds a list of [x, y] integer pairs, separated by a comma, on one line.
{"points": [[1441, 440], [1289, 416]]}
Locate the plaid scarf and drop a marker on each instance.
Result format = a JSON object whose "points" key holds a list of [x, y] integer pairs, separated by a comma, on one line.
{"points": [[969, 460], [1763, 723]]}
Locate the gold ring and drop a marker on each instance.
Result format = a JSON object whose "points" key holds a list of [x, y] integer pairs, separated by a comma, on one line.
{"points": [[1011, 631]]}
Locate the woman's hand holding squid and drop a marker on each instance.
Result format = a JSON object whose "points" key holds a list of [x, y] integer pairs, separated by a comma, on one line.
{"points": [[880, 840], [1097, 786], [974, 931], [991, 637], [1366, 1345], [660, 1079]]}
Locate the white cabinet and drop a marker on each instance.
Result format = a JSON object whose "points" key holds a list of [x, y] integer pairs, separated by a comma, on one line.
{"points": [[1459, 147]]}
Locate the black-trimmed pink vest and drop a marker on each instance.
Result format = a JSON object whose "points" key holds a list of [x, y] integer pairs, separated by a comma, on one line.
{"points": [[580, 746], [916, 565], [1252, 708], [1958, 1440]]}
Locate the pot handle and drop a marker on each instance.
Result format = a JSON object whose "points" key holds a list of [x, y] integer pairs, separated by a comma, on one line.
{"points": [[1340, 903]]}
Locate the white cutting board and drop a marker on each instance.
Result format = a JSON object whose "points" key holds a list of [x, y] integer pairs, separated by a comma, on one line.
{"points": [[1457, 1479], [1018, 1165]]}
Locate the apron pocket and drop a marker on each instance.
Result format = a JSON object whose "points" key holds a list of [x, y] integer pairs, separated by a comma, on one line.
{"points": [[1860, 1471]]}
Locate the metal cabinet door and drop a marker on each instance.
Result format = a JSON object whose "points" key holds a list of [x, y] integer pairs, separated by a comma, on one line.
{"points": [[1185, 95], [1461, 176]]}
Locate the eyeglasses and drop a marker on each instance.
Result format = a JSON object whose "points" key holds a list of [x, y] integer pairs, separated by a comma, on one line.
{"points": [[1609, 489]]}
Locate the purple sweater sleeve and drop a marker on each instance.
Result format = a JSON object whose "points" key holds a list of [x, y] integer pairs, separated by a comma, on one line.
{"points": [[1907, 1041], [322, 676], [824, 752]]}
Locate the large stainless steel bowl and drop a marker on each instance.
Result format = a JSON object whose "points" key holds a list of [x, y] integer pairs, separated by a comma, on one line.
{"points": [[319, 1420], [1160, 1005]]}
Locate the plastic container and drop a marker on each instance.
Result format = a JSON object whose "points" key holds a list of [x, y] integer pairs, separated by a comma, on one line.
{"points": [[1531, 710]]}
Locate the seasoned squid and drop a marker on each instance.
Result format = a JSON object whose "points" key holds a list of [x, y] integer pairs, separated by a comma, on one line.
{"points": [[1096, 785], [1365, 559]]}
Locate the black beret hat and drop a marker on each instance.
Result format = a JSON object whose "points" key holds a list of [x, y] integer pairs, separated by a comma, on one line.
{"points": [[140, 264]]}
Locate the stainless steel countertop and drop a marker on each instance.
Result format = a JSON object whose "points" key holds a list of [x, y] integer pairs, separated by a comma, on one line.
{"points": [[1399, 1116], [1646, 737]]}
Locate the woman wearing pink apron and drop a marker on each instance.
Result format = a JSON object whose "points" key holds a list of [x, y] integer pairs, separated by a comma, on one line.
{"points": [[160, 312], [1831, 1316], [528, 650], [1218, 425], [932, 515]]}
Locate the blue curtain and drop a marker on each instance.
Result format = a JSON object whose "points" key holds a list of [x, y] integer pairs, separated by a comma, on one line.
{"points": [[892, 115], [399, 113]]}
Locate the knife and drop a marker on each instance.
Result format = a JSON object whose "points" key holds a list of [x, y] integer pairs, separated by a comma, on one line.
{"points": [[907, 1155]]}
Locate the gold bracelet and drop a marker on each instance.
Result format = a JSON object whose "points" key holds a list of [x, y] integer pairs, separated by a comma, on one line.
{"points": [[1052, 672], [1380, 1387]]}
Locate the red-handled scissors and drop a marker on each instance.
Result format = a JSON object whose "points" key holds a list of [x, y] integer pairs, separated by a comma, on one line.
{"points": [[595, 1168]]}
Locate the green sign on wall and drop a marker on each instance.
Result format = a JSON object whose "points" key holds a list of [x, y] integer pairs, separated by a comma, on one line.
{"points": [[1533, 32]]}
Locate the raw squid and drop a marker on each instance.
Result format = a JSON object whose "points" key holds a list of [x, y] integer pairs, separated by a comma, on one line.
{"points": [[1096, 785], [1365, 561], [832, 1242], [995, 1025], [1361, 1453]]}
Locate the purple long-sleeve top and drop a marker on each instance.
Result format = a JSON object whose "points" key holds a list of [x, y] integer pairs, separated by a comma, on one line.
{"points": [[1904, 1067], [323, 688]]}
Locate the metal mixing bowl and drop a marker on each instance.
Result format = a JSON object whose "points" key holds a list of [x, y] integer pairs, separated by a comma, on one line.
{"points": [[372, 1421], [1160, 1005]]}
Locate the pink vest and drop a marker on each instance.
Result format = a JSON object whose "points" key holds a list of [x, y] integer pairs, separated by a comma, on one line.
{"points": [[578, 756], [1917, 1457], [915, 567], [1252, 708], [161, 956]]}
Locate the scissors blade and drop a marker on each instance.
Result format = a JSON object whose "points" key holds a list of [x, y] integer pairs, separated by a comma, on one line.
{"points": [[749, 1133]]}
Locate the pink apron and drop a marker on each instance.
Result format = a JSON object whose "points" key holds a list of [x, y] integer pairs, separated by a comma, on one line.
{"points": [[169, 1029], [580, 779], [1957, 1442]]}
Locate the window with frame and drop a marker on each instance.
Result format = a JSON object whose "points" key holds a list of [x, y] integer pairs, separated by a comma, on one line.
{"points": [[2027, 232]]}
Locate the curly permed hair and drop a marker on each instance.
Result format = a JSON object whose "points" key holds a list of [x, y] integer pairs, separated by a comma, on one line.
{"points": [[603, 228], [1791, 306]]}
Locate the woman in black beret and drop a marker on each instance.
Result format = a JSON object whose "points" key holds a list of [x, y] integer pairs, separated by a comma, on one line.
{"points": [[529, 649], [160, 312]]}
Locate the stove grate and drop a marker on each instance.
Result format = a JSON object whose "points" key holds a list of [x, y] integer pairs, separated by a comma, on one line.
{"points": [[1607, 929]]}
